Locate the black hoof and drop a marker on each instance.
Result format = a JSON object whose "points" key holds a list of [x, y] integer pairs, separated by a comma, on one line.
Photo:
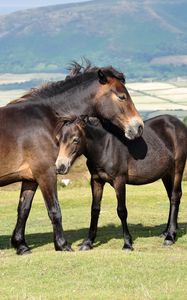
{"points": [[64, 247], [127, 248], [170, 239], [86, 247], [23, 250], [67, 248]]}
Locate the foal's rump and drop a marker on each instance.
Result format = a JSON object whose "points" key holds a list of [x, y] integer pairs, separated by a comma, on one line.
{"points": [[173, 133]]}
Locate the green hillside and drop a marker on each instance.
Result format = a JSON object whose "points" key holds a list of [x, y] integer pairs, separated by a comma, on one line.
{"points": [[128, 34]]}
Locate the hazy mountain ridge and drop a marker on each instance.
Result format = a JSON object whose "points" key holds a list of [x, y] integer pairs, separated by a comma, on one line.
{"points": [[128, 34]]}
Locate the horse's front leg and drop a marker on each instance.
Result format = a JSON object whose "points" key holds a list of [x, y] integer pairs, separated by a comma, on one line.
{"points": [[97, 192], [28, 190], [48, 185], [120, 189]]}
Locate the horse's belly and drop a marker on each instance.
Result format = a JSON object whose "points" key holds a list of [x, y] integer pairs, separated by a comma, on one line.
{"points": [[142, 178], [147, 172], [14, 173]]}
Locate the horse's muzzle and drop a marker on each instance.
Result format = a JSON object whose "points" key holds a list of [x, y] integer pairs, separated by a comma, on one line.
{"points": [[134, 130]]}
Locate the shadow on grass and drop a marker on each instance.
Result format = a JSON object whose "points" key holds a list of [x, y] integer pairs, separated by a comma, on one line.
{"points": [[104, 235]]}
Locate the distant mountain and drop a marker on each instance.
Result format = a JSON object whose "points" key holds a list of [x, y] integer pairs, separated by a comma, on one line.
{"points": [[144, 38]]}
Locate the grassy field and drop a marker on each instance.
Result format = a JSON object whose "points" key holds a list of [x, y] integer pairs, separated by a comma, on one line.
{"points": [[151, 271]]}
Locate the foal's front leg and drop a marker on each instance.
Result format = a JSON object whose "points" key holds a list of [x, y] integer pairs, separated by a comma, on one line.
{"points": [[97, 192], [28, 190], [120, 189], [48, 185]]}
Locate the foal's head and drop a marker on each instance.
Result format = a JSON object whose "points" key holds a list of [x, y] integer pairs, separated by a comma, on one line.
{"points": [[71, 136]]}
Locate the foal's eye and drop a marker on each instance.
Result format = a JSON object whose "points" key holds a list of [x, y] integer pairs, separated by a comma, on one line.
{"points": [[122, 97], [76, 140]]}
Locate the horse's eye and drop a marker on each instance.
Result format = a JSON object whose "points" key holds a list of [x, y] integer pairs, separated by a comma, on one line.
{"points": [[122, 97], [76, 140]]}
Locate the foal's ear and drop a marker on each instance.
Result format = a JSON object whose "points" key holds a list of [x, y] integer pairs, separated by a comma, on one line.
{"points": [[102, 77], [94, 121]]}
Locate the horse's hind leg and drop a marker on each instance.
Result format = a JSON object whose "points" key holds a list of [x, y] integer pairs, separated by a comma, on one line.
{"points": [[97, 192], [174, 190], [26, 196]]}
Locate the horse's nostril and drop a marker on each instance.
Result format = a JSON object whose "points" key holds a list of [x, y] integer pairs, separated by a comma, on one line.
{"points": [[62, 169], [140, 130]]}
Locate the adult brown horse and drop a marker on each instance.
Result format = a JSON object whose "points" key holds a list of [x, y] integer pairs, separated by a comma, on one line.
{"points": [[28, 145], [161, 152]]}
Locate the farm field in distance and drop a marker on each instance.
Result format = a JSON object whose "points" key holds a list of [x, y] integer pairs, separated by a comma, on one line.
{"points": [[150, 98]]}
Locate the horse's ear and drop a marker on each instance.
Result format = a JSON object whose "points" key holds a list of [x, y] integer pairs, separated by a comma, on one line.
{"points": [[102, 77], [84, 119]]}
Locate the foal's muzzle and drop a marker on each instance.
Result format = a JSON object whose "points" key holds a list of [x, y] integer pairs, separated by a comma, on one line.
{"points": [[62, 166]]}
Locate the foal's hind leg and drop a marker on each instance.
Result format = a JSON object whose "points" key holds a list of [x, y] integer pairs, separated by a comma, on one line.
{"points": [[97, 192], [26, 196], [119, 185], [168, 183], [174, 194]]}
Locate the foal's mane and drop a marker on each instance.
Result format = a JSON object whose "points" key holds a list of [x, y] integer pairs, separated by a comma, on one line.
{"points": [[68, 119], [78, 74]]}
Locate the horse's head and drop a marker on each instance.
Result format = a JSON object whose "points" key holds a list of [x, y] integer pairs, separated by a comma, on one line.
{"points": [[71, 139], [114, 103]]}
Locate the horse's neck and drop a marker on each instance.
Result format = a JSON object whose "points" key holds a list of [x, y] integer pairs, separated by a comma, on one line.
{"points": [[79, 101]]}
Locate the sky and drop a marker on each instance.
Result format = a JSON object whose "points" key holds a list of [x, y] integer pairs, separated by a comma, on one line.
{"points": [[7, 6]]}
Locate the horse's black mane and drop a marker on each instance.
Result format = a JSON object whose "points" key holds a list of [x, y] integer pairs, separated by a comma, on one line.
{"points": [[76, 69], [78, 73]]}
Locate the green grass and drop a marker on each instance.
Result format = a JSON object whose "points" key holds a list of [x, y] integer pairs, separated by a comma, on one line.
{"points": [[151, 271]]}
